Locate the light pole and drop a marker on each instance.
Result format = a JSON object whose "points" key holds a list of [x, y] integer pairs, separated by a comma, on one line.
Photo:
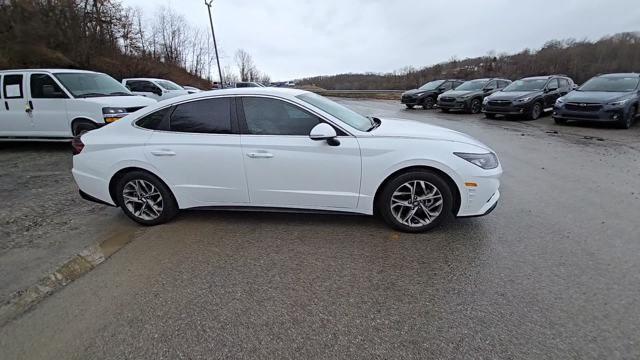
{"points": [[215, 45]]}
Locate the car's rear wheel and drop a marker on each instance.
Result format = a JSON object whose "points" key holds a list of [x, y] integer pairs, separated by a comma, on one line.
{"points": [[409, 106], [536, 111], [416, 201], [145, 198], [476, 106], [428, 103]]}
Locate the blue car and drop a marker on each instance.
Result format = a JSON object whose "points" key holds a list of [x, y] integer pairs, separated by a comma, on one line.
{"points": [[610, 98]]}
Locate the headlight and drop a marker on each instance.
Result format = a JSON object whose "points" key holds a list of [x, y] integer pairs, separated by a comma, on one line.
{"points": [[524, 100], [486, 100], [111, 114], [439, 96], [619, 102], [486, 161], [559, 101]]}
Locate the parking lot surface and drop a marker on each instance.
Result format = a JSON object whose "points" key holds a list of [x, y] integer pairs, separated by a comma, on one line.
{"points": [[553, 272]]}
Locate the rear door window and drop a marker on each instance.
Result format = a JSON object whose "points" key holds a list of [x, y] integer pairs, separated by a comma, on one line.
{"points": [[42, 86], [12, 86], [211, 116]]}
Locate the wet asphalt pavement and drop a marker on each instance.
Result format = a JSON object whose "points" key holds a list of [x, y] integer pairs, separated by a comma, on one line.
{"points": [[553, 272]]}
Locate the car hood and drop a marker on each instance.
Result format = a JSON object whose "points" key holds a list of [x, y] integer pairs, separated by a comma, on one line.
{"points": [[458, 93], [403, 128], [512, 95], [121, 101], [595, 96]]}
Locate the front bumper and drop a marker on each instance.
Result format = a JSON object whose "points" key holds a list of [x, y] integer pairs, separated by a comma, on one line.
{"points": [[506, 110], [606, 114], [411, 100], [454, 105]]}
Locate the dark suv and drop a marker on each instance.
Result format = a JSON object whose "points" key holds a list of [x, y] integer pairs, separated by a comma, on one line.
{"points": [[426, 94], [529, 97], [468, 96], [611, 97]]}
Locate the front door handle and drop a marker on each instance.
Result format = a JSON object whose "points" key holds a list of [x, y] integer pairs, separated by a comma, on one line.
{"points": [[260, 155], [163, 152]]}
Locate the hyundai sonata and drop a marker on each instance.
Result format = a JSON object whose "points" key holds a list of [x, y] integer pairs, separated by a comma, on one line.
{"points": [[283, 149]]}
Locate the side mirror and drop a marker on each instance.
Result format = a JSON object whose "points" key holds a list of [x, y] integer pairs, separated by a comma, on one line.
{"points": [[324, 131]]}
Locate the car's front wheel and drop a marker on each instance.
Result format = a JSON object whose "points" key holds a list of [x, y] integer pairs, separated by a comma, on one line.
{"points": [[416, 201], [628, 120], [536, 111], [428, 103], [475, 106], [145, 198]]}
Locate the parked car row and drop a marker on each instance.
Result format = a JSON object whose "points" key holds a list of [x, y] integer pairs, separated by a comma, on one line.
{"points": [[610, 98]]}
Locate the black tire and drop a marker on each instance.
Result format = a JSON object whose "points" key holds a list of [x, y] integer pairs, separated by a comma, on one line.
{"points": [[475, 106], [169, 205], [383, 204], [490, 116], [559, 121], [536, 111], [409, 106], [81, 127], [628, 120], [428, 103]]}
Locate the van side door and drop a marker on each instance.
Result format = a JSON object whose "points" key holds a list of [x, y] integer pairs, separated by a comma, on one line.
{"points": [[48, 105], [14, 118]]}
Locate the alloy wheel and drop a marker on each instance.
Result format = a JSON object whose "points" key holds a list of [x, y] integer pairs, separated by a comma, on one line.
{"points": [[476, 106], [142, 199], [416, 203]]}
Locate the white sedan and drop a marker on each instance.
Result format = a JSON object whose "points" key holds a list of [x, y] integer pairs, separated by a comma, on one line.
{"points": [[283, 149]]}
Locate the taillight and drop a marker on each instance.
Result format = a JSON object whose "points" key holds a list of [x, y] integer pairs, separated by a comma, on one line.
{"points": [[77, 145]]}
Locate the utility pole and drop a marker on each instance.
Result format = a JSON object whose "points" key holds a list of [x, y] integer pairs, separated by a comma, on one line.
{"points": [[215, 45]]}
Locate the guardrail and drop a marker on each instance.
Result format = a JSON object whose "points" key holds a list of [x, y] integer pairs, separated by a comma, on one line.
{"points": [[371, 94]]}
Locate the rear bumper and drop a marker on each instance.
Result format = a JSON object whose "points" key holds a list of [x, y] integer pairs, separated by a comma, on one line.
{"points": [[92, 188]]}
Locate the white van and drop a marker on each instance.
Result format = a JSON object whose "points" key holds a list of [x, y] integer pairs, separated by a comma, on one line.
{"points": [[56, 104], [158, 89]]}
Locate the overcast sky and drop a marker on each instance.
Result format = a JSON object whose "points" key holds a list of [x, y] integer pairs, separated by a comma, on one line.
{"points": [[298, 38]]}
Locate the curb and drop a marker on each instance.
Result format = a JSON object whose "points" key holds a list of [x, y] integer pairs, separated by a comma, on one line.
{"points": [[86, 260]]}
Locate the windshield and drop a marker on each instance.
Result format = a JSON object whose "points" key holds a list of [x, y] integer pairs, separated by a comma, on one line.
{"points": [[92, 85], [431, 85], [611, 84], [526, 85], [472, 85], [348, 116], [168, 85]]}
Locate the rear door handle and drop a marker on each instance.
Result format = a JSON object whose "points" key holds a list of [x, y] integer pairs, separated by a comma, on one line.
{"points": [[260, 155], [163, 153]]}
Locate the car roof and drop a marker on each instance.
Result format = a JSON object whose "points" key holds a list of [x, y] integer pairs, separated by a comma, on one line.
{"points": [[51, 71], [283, 92], [615, 75], [155, 79]]}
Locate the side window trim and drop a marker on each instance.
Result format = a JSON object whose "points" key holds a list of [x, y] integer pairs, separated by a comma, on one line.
{"points": [[242, 123], [55, 80], [22, 83], [165, 124]]}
